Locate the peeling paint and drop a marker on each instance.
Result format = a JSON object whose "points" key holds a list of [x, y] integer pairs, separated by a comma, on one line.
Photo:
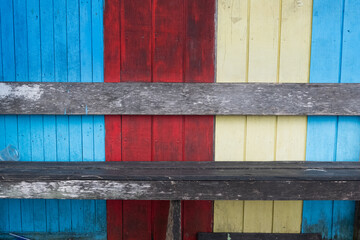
{"points": [[32, 93]]}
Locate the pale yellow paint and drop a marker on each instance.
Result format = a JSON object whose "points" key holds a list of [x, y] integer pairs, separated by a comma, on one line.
{"points": [[230, 131], [261, 131], [229, 216], [291, 131], [261, 41]]}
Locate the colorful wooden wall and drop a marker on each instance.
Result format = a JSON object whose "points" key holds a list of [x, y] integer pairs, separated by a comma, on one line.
{"points": [[179, 41]]}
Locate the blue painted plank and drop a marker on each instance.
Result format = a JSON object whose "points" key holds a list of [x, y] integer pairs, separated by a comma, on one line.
{"points": [[322, 131], [348, 143], [36, 122], [48, 75], [87, 121], [99, 122], [9, 73], [24, 133], [62, 122], [74, 71]]}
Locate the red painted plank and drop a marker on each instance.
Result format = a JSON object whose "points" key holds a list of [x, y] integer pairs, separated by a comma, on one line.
{"points": [[199, 67], [168, 52], [112, 60], [160, 41], [136, 58]]}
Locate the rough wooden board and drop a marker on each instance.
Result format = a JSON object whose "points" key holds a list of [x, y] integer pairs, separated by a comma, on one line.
{"points": [[179, 99], [121, 180], [257, 236]]}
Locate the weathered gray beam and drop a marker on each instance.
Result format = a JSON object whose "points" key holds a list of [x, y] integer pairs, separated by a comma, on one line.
{"points": [[181, 181], [179, 99]]}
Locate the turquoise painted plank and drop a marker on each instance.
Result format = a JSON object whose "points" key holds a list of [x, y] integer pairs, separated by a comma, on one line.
{"points": [[62, 122], [86, 60], [9, 73], [322, 131], [48, 75], [348, 144], [36, 122], [24, 133], [99, 123], [74, 75]]}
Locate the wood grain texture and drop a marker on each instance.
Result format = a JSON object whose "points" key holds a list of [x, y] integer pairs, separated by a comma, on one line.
{"points": [[173, 231], [52, 41], [258, 236], [231, 66], [190, 99], [181, 181], [293, 64], [159, 41]]}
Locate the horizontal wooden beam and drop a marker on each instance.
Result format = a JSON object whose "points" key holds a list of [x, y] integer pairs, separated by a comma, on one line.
{"points": [[181, 181], [259, 236], [179, 99]]}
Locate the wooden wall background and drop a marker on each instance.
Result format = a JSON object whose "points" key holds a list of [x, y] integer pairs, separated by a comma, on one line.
{"points": [[161, 40], [53, 41], [158, 41]]}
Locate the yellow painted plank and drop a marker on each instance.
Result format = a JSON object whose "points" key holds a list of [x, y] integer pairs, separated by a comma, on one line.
{"points": [[232, 40], [291, 131], [229, 216], [261, 131], [258, 216]]}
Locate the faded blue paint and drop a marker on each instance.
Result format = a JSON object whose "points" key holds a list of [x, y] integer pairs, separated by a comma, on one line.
{"points": [[335, 46], [52, 41]]}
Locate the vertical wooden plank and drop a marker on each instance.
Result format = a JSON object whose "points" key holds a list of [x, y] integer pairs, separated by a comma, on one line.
{"points": [[198, 130], [49, 127], [136, 22], [294, 62], [87, 122], [21, 64], [62, 122], [261, 131], [9, 74], [99, 123], [36, 122], [168, 66], [348, 139], [232, 50], [112, 123], [4, 203], [321, 131], [75, 128]]}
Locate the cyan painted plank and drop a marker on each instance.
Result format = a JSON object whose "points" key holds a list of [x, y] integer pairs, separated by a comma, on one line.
{"points": [[75, 127], [9, 73], [89, 208], [99, 123], [62, 122], [322, 131], [348, 141], [21, 66], [48, 75]]}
